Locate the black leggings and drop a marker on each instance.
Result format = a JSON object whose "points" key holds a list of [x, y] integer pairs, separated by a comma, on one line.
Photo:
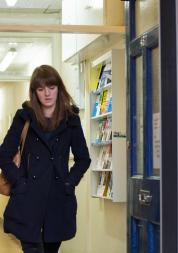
{"points": [[30, 247]]}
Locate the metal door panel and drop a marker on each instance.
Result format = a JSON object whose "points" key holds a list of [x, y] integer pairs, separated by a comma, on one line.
{"points": [[144, 195]]}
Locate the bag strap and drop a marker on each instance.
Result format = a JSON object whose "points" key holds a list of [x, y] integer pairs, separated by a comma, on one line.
{"points": [[24, 135]]}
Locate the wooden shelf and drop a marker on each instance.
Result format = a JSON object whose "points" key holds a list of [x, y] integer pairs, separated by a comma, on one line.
{"points": [[90, 29], [102, 170]]}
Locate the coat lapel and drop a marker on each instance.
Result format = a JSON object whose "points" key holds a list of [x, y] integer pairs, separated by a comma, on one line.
{"points": [[27, 114], [41, 134]]}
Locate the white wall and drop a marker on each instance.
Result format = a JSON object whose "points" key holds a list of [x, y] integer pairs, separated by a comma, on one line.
{"points": [[43, 55], [75, 12]]}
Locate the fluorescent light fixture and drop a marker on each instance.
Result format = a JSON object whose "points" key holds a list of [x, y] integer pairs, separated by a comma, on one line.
{"points": [[4, 64], [11, 2]]}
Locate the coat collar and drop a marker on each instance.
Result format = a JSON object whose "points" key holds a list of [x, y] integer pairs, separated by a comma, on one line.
{"points": [[27, 113]]}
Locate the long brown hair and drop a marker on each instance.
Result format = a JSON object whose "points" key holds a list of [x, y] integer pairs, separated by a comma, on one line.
{"points": [[46, 75]]}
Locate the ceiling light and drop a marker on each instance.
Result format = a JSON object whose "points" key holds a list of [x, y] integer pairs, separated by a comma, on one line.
{"points": [[11, 2], [4, 64], [12, 44]]}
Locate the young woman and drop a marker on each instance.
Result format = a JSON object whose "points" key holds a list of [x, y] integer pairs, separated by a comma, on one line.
{"points": [[41, 211]]}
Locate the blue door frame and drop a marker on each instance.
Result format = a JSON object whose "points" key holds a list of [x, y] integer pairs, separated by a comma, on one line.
{"points": [[139, 230], [143, 190]]}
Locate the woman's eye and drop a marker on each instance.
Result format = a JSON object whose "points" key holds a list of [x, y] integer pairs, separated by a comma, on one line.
{"points": [[52, 87], [39, 89]]}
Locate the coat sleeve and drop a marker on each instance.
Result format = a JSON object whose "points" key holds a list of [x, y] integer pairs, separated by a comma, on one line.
{"points": [[9, 148], [81, 155]]}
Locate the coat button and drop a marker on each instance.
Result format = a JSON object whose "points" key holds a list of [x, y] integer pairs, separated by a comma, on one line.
{"points": [[56, 177], [34, 177], [37, 139], [51, 158], [37, 157], [57, 139]]}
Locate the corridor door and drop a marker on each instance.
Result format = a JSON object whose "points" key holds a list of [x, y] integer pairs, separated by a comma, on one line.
{"points": [[143, 127]]}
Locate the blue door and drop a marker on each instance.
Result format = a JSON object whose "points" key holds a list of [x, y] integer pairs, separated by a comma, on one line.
{"points": [[144, 143]]}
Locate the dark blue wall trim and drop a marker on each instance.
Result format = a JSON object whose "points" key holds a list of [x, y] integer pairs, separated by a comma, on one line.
{"points": [[147, 98], [151, 238], [134, 242], [131, 82]]}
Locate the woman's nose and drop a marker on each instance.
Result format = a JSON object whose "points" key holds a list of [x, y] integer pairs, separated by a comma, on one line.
{"points": [[47, 91]]}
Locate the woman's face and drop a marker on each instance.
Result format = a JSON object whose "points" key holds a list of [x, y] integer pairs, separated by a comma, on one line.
{"points": [[47, 96]]}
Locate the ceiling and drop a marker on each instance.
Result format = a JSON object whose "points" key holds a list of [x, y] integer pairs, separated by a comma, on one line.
{"points": [[31, 12], [52, 4]]}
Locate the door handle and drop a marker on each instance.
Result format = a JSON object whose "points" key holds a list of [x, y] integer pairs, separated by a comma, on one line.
{"points": [[145, 198]]}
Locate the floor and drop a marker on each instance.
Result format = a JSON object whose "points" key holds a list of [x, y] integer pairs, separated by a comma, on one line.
{"points": [[8, 243]]}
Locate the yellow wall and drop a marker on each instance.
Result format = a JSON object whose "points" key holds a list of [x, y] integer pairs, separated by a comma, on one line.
{"points": [[113, 12], [101, 224]]}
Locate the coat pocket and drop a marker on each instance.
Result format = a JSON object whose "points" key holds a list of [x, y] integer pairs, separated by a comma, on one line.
{"points": [[71, 207], [69, 189]]}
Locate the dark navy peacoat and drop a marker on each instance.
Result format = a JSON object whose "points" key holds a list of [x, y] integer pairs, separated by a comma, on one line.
{"points": [[43, 201]]}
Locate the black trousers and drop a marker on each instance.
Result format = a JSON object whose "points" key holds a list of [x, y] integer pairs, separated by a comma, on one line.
{"points": [[30, 247]]}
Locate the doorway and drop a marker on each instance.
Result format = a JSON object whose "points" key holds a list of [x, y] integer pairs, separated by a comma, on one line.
{"points": [[90, 240]]}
